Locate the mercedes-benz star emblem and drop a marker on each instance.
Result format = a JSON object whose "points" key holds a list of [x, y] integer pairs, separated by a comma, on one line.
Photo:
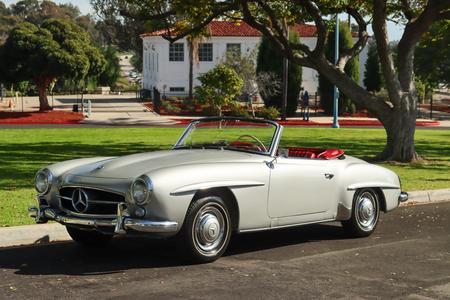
{"points": [[80, 201]]}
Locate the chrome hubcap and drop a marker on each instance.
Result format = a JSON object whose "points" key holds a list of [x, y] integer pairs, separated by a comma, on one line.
{"points": [[367, 211], [210, 229]]}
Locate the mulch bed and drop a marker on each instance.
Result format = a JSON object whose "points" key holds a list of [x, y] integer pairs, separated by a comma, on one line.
{"points": [[48, 117]]}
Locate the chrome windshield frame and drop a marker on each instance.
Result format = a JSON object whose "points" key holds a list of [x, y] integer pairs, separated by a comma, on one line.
{"points": [[274, 142]]}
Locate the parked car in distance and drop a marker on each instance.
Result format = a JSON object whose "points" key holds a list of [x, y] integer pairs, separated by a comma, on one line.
{"points": [[223, 176]]}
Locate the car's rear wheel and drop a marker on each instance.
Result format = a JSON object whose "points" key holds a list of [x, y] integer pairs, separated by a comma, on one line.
{"points": [[206, 231], [365, 213], [88, 238]]}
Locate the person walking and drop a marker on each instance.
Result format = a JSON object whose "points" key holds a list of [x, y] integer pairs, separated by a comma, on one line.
{"points": [[305, 104]]}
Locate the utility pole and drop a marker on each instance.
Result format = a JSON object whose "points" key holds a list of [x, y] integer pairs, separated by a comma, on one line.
{"points": [[336, 91], [285, 76]]}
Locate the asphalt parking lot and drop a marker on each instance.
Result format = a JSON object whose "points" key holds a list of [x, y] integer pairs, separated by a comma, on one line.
{"points": [[407, 257]]}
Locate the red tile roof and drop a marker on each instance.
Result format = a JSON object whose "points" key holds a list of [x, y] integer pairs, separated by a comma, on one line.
{"points": [[230, 28]]}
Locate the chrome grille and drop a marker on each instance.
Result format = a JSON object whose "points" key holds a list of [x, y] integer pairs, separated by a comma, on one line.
{"points": [[99, 202]]}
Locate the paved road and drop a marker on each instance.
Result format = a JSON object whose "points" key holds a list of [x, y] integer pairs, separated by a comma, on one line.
{"points": [[408, 257]]}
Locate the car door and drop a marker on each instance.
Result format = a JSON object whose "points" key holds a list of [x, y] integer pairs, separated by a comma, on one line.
{"points": [[301, 187]]}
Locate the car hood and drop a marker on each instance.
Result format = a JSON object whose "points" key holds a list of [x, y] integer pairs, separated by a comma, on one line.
{"points": [[138, 164]]}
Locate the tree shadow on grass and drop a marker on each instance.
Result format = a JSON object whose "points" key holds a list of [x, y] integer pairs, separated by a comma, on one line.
{"points": [[20, 162]]}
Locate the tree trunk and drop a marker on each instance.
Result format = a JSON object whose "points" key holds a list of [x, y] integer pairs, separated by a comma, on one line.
{"points": [[42, 84], [400, 128], [399, 120]]}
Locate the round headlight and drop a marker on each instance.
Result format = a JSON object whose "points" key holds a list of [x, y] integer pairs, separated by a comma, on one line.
{"points": [[140, 190], [43, 181]]}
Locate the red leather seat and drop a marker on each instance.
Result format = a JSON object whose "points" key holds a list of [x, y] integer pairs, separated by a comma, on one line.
{"points": [[330, 154], [314, 153], [302, 152]]}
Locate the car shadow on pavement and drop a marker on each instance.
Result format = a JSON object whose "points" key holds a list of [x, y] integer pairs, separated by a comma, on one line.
{"points": [[68, 258]]}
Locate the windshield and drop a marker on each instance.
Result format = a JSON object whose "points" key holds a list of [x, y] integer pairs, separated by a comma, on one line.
{"points": [[255, 136]]}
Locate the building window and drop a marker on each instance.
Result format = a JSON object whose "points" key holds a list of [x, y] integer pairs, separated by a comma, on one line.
{"points": [[234, 49], [176, 52], [176, 89], [205, 52]]}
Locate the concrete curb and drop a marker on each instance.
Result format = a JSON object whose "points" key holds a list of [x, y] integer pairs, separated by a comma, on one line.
{"points": [[55, 232], [33, 234], [430, 196]]}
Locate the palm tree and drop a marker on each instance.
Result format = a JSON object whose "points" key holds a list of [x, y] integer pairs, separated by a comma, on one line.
{"points": [[193, 40]]}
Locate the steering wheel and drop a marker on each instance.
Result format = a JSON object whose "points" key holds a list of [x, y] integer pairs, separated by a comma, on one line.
{"points": [[261, 145]]}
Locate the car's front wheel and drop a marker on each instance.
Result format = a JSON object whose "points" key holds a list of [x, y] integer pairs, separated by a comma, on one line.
{"points": [[206, 231], [88, 238], [365, 213]]}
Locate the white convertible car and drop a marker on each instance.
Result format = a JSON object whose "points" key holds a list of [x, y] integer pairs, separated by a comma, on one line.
{"points": [[223, 175]]}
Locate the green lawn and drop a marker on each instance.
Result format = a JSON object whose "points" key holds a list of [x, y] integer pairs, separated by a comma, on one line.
{"points": [[24, 151]]}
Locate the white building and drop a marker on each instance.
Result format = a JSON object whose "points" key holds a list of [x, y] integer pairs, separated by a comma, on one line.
{"points": [[166, 66]]}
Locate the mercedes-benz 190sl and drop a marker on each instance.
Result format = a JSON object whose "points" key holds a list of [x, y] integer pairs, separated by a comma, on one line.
{"points": [[223, 176]]}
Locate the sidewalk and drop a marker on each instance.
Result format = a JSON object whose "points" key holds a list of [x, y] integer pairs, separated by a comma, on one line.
{"points": [[328, 121], [126, 110], [109, 110], [55, 232]]}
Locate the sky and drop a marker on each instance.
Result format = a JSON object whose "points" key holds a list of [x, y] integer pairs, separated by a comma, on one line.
{"points": [[394, 31]]}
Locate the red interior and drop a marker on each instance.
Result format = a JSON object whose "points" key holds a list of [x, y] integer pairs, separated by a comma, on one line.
{"points": [[303, 152], [245, 145], [314, 152]]}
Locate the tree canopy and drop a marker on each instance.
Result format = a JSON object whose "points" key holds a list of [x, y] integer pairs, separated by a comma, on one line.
{"points": [[372, 75], [432, 55], [270, 60], [36, 12], [111, 72], [351, 69], [397, 112], [58, 48]]}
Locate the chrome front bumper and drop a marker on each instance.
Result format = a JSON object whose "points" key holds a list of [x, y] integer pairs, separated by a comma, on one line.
{"points": [[121, 223], [403, 197]]}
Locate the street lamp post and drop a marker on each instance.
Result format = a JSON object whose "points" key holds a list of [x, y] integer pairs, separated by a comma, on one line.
{"points": [[336, 91]]}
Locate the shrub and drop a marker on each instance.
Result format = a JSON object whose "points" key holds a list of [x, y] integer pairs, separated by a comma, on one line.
{"points": [[237, 110], [170, 108], [268, 113], [220, 86]]}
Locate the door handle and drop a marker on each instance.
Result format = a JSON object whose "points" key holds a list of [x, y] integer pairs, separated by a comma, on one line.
{"points": [[329, 176]]}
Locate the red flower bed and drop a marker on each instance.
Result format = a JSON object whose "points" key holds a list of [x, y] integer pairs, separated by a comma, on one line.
{"points": [[49, 117]]}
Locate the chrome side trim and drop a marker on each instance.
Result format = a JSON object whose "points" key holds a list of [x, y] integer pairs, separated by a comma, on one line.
{"points": [[382, 185], [343, 213], [213, 184], [285, 226]]}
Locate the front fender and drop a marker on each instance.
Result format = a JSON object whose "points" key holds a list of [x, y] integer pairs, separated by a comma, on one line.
{"points": [[364, 175]]}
